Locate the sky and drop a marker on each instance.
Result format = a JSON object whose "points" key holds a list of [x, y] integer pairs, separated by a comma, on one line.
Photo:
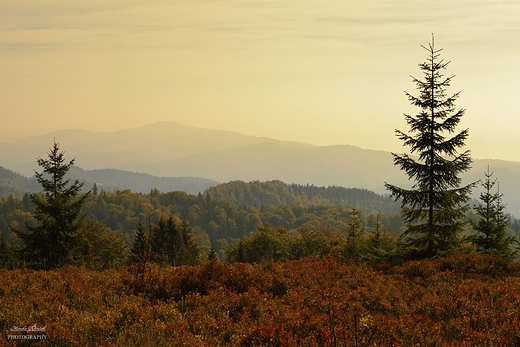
{"points": [[324, 72]]}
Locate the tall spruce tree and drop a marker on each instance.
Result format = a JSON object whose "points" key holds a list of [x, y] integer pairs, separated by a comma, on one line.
{"points": [[52, 241], [434, 207], [491, 227], [140, 251]]}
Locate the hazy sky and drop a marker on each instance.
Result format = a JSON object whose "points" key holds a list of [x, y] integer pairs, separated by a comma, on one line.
{"points": [[318, 71]]}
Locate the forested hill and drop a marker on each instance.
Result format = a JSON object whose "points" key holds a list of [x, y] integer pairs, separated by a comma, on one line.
{"points": [[240, 193], [12, 183], [278, 193]]}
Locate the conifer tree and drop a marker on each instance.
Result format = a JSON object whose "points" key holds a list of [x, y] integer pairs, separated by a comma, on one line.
{"points": [[140, 249], [140, 253], [213, 255], [433, 208], [51, 243], [7, 253], [491, 227], [354, 245], [173, 243], [381, 243]]}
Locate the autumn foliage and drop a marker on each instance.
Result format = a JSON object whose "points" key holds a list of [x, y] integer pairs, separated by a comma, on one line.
{"points": [[463, 300]]}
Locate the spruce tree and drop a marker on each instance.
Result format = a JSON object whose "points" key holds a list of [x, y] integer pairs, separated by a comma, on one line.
{"points": [[491, 227], [354, 244], [140, 251], [381, 244], [52, 241], [173, 243], [433, 208], [213, 255]]}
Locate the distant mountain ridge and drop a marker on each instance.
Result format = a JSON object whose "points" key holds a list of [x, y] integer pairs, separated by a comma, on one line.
{"points": [[108, 180], [171, 149], [12, 183], [157, 142]]}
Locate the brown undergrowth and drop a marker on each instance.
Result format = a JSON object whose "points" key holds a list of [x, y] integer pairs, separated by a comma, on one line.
{"points": [[464, 300]]}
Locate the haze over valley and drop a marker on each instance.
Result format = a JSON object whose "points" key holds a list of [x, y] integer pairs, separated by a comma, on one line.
{"points": [[209, 157]]}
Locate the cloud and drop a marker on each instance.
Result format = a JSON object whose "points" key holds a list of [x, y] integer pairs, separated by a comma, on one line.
{"points": [[235, 24]]}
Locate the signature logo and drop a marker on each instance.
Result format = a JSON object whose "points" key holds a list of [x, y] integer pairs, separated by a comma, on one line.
{"points": [[28, 328]]}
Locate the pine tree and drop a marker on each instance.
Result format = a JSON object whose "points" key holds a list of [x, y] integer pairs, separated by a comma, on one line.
{"points": [[491, 227], [213, 255], [51, 243], [140, 249], [434, 207], [381, 244], [173, 243], [354, 245]]}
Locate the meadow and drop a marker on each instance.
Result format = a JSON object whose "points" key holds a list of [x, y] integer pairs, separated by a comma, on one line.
{"points": [[461, 300]]}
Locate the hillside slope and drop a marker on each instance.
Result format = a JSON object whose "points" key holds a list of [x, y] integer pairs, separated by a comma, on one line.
{"points": [[279, 193]]}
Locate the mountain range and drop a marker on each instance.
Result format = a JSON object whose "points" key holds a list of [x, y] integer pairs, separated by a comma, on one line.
{"points": [[169, 149], [12, 183]]}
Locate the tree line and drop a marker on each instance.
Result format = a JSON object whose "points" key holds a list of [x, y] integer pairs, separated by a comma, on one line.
{"points": [[356, 244], [277, 193], [215, 223]]}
